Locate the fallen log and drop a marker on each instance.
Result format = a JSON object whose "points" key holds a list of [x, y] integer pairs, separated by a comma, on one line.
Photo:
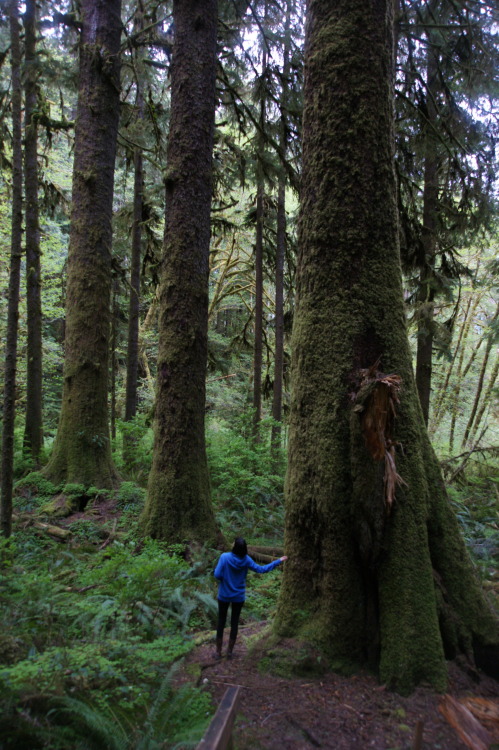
{"points": [[261, 558], [52, 530], [273, 550]]}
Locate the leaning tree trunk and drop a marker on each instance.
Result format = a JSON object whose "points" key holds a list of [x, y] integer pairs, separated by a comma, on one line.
{"points": [[33, 432], [9, 397], [82, 451], [378, 573], [178, 506]]}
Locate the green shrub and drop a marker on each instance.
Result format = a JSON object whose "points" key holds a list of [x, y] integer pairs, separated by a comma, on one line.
{"points": [[33, 490], [130, 494]]}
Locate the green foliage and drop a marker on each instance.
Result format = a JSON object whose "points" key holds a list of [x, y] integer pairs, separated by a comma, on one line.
{"points": [[240, 468], [130, 494], [73, 490], [132, 449], [101, 629], [171, 716], [35, 485], [476, 506], [84, 530]]}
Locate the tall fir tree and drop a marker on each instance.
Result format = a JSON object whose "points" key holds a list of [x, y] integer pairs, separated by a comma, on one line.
{"points": [[178, 506], [82, 451]]}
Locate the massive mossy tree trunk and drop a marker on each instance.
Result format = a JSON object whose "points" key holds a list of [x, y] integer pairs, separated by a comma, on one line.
{"points": [[178, 504], [9, 397], [378, 573], [33, 432], [82, 451]]}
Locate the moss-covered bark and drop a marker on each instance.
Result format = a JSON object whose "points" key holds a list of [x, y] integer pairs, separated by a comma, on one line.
{"points": [[178, 506], [82, 452], [391, 587], [9, 392], [33, 431]]}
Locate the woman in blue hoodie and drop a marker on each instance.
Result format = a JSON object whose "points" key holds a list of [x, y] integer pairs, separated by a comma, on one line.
{"points": [[231, 571]]}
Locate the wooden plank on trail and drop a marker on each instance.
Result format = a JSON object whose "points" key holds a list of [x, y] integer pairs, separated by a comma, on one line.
{"points": [[469, 729], [219, 734]]}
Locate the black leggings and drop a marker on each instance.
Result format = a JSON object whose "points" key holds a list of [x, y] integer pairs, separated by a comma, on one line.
{"points": [[223, 608]]}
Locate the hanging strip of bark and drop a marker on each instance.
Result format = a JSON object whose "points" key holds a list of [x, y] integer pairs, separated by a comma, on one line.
{"points": [[376, 401]]}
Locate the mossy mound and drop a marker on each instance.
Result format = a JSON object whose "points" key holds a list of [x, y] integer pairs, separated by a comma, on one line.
{"points": [[291, 658]]}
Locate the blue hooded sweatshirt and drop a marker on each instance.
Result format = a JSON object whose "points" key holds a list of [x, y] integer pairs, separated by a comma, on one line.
{"points": [[231, 573]]}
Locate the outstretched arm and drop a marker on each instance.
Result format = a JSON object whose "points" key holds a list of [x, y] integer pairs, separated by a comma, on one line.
{"points": [[252, 565]]}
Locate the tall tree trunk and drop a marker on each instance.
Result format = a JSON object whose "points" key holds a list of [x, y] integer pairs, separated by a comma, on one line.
{"points": [[178, 506], [426, 325], [33, 433], [134, 299], [260, 217], [82, 451], [9, 395], [275, 440], [378, 572]]}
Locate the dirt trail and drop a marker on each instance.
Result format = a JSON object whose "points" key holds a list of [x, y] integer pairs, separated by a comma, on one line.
{"points": [[278, 713]]}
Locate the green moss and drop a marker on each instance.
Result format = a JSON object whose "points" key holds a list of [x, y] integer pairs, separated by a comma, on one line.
{"points": [[302, 661], [60, 506]]}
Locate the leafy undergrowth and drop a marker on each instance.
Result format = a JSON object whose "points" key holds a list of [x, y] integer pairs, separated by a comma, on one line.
{"points": [[95, 622]]}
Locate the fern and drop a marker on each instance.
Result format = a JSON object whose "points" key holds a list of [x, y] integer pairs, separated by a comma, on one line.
{"points": [[101, 728]]}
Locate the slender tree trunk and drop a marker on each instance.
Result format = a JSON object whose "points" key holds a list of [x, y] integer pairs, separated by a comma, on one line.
{"points": [[258, 328], [479, 387], [82, 451], [485, 402], [461, 376], [275, 440], [113, 358], [377, 573], [9, 396], [178, 506], [134, 299], [281, 254], [260, 211], [426, 325], [441, 400], [33, 434]]}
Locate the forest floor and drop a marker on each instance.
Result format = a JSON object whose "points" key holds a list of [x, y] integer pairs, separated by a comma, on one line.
{"points": [[283, 712], [330, 711]]}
